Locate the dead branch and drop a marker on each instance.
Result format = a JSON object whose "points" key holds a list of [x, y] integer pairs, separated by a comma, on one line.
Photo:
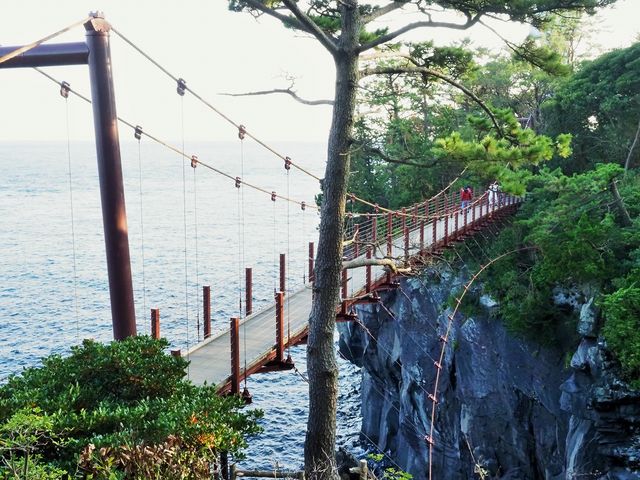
{"points": [[286, 91], [619, 202], [633, 146], [384, 262]]}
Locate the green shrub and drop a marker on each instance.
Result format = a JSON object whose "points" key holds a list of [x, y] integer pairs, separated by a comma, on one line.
{"points": [[120, 410], [621, 311]]}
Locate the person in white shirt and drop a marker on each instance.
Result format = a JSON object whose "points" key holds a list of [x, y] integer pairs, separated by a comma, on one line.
{"points": [[494, 197]]}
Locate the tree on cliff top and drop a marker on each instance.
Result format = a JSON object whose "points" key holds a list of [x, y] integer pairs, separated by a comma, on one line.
{"points": [[347, 29]]}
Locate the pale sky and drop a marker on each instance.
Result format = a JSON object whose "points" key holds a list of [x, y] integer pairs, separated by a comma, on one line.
{"points": [[215, 51]]}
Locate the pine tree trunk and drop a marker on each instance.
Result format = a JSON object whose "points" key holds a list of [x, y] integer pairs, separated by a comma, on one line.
{"points": [[321, 356]]}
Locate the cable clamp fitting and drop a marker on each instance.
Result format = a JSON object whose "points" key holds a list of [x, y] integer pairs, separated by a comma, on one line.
{"points": [[273, 196], [438, 366], [182, 87], [238, 182], [194, 162], [429, 440], [443, 339], [432, 398], [137, 132], [65, 88], [242, 131], [287, 163], [303, 205]]}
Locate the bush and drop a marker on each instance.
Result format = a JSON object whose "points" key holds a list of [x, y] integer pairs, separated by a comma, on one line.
{"points": [[621, 310], [121, 410]]}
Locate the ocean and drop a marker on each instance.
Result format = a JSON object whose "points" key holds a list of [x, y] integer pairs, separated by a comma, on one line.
{"points": [[187, 228]]}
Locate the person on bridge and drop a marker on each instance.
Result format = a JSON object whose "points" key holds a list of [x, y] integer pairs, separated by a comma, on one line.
{"points": [[466, 195], [494, 195]]}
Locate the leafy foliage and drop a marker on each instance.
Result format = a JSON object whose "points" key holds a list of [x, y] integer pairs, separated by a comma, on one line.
{"points": [[599, 107], [578, 241], [621, 310], [116, 409]]}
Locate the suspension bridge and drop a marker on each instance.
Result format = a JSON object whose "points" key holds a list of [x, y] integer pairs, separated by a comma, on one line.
{"points": [[378, 246]]}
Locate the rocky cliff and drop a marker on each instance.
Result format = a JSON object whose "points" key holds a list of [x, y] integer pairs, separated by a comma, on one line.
{"points": [[507, 408]]}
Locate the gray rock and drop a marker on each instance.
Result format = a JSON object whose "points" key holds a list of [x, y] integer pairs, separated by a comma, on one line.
{"points": [[504, 404], [587, 325], [488, 302]]}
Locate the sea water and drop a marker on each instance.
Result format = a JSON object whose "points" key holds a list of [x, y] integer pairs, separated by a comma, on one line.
{"points": [[187, 228]]}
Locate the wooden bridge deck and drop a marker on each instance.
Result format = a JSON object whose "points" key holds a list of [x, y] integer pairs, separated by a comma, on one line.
{"points": [[210, 360]]}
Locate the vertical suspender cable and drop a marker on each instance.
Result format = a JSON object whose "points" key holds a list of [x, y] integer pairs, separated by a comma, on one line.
{"points": [[73, 229], [304, 237], [241, 262], [184, 216], [275, 263], [286, 287], [144, 285], [195, 219]]}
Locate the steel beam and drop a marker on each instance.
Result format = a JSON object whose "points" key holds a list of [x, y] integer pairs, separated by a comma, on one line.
{"points": [[51, 55]]}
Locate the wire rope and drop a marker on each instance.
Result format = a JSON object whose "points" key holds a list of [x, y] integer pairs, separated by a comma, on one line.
{"points": [[241, 259], [144, 284], [182, 152], [73, 228], [287, 279], [194, 164], [304, 237], [209, 105], [184, 217], [237, 125], [275, 255]]}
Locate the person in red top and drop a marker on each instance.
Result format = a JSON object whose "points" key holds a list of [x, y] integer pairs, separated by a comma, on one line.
{"points": [[466, 195]]}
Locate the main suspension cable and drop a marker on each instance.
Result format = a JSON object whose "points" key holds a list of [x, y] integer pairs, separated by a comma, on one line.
{"points": [[182, 152], [209, 105], [232, 122]]}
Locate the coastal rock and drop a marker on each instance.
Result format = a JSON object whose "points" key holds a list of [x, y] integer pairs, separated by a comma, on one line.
{"points": [[588, 319], [506, 407]]}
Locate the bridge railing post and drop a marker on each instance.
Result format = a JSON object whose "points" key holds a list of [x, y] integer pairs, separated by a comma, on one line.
{"points": [[356, 239], [248, 291], [283, 282], [155, 323], [434, 233], [280, 327], [311, 275], [404, 219], [389, 233], [374, 227], [235, 355], [206, 310], [421, 235], [466, 215], [406, 244], [446, 230], [368, 272], [456, 233], [473, 215], [345, 281]]}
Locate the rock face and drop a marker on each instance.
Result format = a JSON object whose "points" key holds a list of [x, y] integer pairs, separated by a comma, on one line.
{"points": [[506, 408]]}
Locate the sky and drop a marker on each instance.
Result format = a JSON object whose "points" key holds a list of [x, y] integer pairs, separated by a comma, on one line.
{"points": [[215, 51]]}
